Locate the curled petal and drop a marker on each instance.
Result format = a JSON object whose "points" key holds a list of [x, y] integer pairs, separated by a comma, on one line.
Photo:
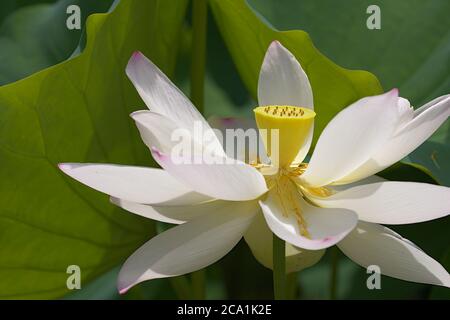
{"points": [[352, 137], [418, 128]]}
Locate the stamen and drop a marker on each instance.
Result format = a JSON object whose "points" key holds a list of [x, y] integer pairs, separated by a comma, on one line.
{"points": [[287, 194], [321, 192]]}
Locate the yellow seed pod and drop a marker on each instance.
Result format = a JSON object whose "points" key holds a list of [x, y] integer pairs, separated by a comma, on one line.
{"points": [[285, 129]]}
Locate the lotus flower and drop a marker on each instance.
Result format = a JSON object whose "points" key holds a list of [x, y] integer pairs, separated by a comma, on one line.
{"points": [[333, 199]]}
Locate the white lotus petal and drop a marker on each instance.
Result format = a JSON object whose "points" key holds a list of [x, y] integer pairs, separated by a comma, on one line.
{"points": [[163, 97], [352, 137], [325, 226], [260, 240], [223, 178], [282, 81], [136, 184], [373, 244], [188, 247], [158, 130], [392, 202], [427, 119], [175, 214]]}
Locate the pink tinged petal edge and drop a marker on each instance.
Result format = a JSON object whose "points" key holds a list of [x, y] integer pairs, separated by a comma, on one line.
{"points": [[137, 54], [158, 154]]}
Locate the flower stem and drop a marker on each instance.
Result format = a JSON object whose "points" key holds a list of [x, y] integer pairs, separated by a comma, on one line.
{"points": [[199, 23], [334, 272], [279, 268]]}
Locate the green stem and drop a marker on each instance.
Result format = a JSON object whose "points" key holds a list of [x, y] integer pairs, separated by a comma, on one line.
{"points": [[198, 284], [198, 62], [279, 268], [334, 272]]}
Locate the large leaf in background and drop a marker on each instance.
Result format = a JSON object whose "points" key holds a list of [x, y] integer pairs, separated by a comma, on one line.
{"points": [[36, 37], [75, 111], [411, 51], [248, 38]]}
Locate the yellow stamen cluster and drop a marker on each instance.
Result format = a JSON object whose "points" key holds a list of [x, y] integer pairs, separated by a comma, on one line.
{"points": [[321, 192], [284, 111], [287, 194]]}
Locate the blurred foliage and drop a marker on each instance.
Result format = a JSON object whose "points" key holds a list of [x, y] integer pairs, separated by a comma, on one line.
{"points": [[9, 6], [29, 40], [76, 225]]}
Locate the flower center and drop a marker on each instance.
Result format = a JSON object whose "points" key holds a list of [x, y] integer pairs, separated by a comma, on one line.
{"points": [[284, 130], [288, 196], [288, 191]]}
